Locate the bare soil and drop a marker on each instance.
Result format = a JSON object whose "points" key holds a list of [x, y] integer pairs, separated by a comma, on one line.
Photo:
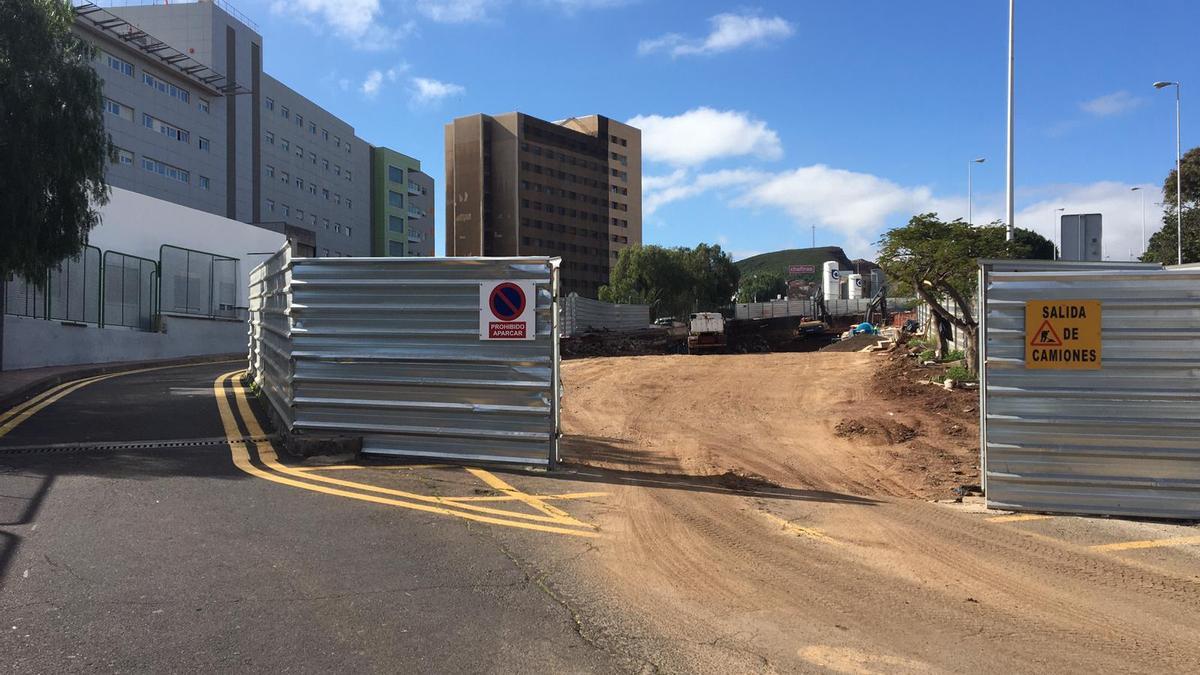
{"points": [[769, 513]]}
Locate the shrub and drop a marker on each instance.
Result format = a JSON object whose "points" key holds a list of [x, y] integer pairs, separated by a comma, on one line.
{"points": [[959, 374], [956, 355], [926, 355]]}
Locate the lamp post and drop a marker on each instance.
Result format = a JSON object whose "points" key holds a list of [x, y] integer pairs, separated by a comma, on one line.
{"points": [[1178, 175], [1143, 192], [1056, 230], [1009, 215], [970, 196]]}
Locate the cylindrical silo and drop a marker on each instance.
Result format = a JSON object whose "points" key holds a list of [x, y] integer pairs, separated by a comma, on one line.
{"points": [[854, 287], [832, 284]]}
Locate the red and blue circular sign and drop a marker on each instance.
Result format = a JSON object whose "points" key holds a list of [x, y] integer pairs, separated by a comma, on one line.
{"points": [[507, 301]]}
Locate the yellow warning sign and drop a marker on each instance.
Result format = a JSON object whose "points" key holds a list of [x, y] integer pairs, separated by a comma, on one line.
{"points": [[1062, 334]]}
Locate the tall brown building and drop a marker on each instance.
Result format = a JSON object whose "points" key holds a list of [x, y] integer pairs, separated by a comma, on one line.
{"points": [[518, 185]]}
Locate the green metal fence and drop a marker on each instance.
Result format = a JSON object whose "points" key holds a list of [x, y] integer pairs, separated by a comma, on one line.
{"points": [[197, 282], [130, 290]]}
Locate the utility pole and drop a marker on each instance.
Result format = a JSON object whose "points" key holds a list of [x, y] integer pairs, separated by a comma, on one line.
{"points": [[1009, 225], [814, 236]]}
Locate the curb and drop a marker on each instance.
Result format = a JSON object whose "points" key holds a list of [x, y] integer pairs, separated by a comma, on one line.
{"points": [[36, 387]]}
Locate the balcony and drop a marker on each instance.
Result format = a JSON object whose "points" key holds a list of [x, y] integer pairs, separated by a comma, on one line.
{"points": [[414, 189]]}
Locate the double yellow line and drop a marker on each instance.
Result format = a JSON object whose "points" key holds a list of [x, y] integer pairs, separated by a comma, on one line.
{"points": [[13, 417], [268, 467]]}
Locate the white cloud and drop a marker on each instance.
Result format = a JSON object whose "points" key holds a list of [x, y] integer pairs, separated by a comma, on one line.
{"points": [[702, 134], [1116, 202], [729, 32], [658, 191], [457, 11], [428, 91], [355, 20], [375, 79], [1116, 103]]}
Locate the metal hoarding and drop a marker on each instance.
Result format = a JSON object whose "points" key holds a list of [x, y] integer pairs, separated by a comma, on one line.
{"points": [[583, 315], [1123, 439], [389, 349]]}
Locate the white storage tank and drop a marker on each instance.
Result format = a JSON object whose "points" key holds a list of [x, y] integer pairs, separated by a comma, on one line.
{"points": [[854, 287], [832, 280]]}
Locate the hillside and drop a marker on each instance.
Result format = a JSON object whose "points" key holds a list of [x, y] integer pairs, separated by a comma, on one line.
{"points": [[779, 261]]}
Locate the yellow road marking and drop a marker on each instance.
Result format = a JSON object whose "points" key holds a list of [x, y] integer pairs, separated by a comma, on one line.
{"points": [[1148, 543], [792, 528], [18, 414], [271, 461], [510, 498], [363, 467], [266, 454], [1018, 518], [552, 511]]}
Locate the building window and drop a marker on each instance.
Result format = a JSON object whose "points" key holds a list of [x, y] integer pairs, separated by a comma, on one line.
{"points": [[203, 182], [337, 199], [124, 157], [169, 130], [270, 206], [284, 177], [312, 156], [300, 215], [122, 111], [312, 188], [348, 230], [312, 218], [325, 164], [337, 227], [284, 210], [395, 174], [349, 205], [167, 88], [348, 176], [202, 143], [299, 120], [325, 252], [164, 169], [347, 147], [120, 65], [395, 248], [203, 105], [283, 143], [299, 183], [270, 103], [395, 199], [325, 222], [396, 223], [325, 134], [270, 138], [285, 113], [337, 141], [270, 171], [299, 152], [337, 169], [312, 128], [325, 193]]}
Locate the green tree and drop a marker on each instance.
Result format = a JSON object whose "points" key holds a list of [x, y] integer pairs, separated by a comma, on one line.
{"points": [[936, 260], [673, 281], [762, 286], [1163, 245], [53, 145]]}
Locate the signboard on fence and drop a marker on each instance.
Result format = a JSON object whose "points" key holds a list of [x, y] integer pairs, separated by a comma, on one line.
{"points": [[506, 310], [801, 269], [1062, 334]]}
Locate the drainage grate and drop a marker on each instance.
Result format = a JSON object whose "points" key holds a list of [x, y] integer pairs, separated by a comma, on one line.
{"points": [[168, 444]]}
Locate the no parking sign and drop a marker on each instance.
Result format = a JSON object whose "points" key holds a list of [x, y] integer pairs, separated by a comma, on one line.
{"points": [[506, 310]]}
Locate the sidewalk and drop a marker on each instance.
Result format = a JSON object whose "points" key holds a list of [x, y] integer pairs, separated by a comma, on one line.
{"points": [[20, 385]]}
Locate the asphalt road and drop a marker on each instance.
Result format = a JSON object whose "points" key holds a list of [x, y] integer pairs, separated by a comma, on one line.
{"points": [[145, 524], [171, 558]]}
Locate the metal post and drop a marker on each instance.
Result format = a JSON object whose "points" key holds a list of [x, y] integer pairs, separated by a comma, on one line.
{"points": [[970, 219], [1008, 235], [1178, 184]]}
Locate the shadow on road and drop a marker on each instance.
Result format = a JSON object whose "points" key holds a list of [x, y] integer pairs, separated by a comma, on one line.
{"points": [[21, 496]]}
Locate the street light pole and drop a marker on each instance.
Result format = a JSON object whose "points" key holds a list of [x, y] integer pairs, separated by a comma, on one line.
{"points": [[1178, 175], [1008, 233], [1057, 232], [1143, 193], [970, 195]]}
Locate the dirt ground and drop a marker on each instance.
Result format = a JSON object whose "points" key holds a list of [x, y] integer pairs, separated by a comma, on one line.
{"points": [[771, 513], [816, 421]]}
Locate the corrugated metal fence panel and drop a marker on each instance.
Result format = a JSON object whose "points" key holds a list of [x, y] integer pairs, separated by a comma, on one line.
{"points": [[781, 308], [581, 315], [1122, 440], [389, 349], [271, 363]]}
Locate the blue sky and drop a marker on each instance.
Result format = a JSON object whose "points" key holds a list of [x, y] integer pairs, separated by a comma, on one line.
{"points": [[762, 120]]}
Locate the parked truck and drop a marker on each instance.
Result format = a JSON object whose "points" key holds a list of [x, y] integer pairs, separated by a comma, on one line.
{"points": [[706, 333]]}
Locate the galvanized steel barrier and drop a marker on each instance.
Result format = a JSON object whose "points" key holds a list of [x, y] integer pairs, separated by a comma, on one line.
{"points": [[389, 349], [1121, 440], [581, 315]]}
